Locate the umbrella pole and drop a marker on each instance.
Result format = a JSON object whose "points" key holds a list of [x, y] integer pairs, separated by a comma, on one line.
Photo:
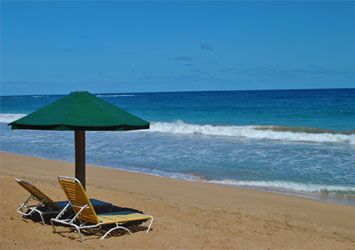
{"points": [[80, 156]]}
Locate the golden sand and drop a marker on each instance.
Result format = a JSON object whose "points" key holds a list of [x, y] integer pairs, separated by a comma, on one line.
{"points": [[187, 214]]}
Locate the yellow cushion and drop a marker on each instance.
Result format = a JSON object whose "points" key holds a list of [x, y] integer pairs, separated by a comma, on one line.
{"points": [[121, 217]]}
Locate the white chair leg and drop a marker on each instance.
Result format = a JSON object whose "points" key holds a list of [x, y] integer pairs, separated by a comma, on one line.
{"points": [[40, 214], [54, 231], [117, 227], [151, 222], [78, 229]]}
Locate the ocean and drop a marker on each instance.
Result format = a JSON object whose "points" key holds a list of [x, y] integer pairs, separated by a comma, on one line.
{"points": [[296, 142]]}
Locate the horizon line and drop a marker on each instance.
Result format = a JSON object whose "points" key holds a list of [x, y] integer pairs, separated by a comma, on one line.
{"points": [[179, 91]]}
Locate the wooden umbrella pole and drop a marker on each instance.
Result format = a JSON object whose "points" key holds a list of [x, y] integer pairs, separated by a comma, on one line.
{"points": [[80, 156]]}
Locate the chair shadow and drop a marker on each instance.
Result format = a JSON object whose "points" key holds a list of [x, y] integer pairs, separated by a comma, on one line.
{"points": [[132, 226]]}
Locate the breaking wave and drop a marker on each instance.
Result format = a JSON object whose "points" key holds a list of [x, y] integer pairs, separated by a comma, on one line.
{"points": [[7, 118], [284, 185], [256, 132], [296, 134]]}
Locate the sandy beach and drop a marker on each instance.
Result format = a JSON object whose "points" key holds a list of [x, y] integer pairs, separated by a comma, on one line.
{"points": [[187, 214]]}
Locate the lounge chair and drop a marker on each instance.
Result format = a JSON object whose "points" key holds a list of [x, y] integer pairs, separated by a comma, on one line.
{"points": [[45, 205], [85, 215]]}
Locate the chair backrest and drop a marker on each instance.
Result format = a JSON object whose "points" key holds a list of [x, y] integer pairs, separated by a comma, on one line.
{"points": [[78, 199], [38, 194]]}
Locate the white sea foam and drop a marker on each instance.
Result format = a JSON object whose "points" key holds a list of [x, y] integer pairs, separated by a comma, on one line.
{"points": [[352, 139], [283, 185], [40, 96], [118, 95], [252, 132], [7, 118], [274, 186]]}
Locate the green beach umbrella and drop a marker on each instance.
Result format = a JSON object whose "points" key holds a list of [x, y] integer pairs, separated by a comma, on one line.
{"points": [[80, 111]]}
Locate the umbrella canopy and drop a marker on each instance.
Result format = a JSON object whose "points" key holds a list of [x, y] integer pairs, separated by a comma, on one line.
{"points": [[80, 111]]}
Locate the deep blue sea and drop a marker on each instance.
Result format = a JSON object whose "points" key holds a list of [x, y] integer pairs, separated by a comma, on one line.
{"points": [[298, 142]]}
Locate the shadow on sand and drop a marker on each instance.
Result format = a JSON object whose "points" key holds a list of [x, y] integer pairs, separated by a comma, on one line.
{"points": [[70, 232]]}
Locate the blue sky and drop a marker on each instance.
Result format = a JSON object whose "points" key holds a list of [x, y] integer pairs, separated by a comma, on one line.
{"points": [[56, 47]]}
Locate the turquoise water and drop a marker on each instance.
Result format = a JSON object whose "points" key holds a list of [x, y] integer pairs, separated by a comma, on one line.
{"points": [[299, 142]]}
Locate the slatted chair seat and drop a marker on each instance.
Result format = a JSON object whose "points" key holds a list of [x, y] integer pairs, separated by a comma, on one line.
{"points": [[43, 205], [123, 217], [85, 215]]}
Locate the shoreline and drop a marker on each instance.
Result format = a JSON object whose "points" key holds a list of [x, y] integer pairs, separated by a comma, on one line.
{"points": [[323, 197], [187, 214]]}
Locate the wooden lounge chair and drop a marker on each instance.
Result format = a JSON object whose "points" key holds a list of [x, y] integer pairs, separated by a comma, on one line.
{"points": [[45, 205], [85, 215]]}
